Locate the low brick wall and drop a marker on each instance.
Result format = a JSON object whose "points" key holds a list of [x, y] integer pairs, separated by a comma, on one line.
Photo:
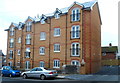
{"points": [[110, 62]]}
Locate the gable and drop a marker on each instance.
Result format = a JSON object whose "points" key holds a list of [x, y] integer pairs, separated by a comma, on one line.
{"points": [[29, 19]]}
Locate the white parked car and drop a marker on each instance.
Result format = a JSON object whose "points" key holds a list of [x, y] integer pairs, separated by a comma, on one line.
{"points": [[39, 72]]}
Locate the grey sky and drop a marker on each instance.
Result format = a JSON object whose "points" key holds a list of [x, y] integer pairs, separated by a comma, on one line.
{"points": [[18, 10]]}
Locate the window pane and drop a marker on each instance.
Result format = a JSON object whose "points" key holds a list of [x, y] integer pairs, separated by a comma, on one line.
{"points": [[56, 31], [57, 47], [42, 50], [42, 36], [56, 63], [77, 49]]}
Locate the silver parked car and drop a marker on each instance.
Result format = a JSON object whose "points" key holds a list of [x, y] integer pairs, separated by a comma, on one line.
{"points": [[40, 72]]}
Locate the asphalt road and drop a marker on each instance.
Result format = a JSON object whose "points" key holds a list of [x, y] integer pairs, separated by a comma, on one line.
{"points": [[108, 74], [30, 80], [20, 80]]}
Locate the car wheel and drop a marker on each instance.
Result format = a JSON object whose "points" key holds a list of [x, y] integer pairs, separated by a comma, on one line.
{"points": [[42, 77], [10, 75], [24, 76]]}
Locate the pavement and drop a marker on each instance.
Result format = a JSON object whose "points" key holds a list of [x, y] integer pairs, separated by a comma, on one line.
{"points": [[107, 73]]}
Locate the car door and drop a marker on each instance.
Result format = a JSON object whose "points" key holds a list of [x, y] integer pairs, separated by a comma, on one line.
{"points": [[38, 72], [5, 71], [32, 72]]}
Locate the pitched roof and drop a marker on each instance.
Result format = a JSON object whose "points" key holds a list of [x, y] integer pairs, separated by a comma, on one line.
{"points": [[86, 5], [110, 49], [29, 18]]}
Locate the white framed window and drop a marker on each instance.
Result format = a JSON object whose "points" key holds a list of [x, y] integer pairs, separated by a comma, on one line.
{"points": [[56, 47], [56, 31], [42, 64], [28, 39], [57, 16], [56, 64], [28, 26], [12, 31], [75, 49], [18, 64], [27, 64], [19, 28], [75, 14], [19, 40], [11, 43], [27, 53], [42, 21], [42, 50], [75, 62], [18, 52], [75, 31], [11, 54], [42, 36]]}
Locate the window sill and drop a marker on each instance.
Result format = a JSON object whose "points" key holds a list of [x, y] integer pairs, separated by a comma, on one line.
{"points": [[42, 53], [42, 39], [56, 51], [56, 67], [27, 57], [10, 58], [75, 55], [75, 21], [27, 44], [56, 35], [75, 38]]}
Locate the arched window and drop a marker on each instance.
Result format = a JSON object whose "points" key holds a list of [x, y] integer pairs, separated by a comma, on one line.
{"points": [[11, 43], [28, 39], [12, 31], [75, 32], [27, 64], [29, 26], [75, 14], [11, 54], [27, 52], [56, 63], [42, 64], [75, 49], [42, 50], [75, 62]]}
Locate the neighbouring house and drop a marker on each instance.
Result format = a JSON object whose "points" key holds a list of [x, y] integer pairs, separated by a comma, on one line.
{"points": [[2, 58], [68, 36], [109, 52]]}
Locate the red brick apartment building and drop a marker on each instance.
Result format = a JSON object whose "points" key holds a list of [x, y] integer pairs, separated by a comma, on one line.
{"points": [[71, 35]]}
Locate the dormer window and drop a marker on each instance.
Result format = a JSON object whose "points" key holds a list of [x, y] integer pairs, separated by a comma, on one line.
{"points": [[19, 28], [57, 16], [75, 16], [42, 21]]}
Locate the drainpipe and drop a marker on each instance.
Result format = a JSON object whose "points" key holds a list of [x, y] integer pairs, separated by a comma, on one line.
{"points": [[49, 41], [33, 45], [66, 42], [15, 48]]}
